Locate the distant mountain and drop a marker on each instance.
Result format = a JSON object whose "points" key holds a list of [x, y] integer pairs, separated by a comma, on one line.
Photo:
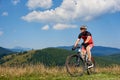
{"points": [[52, 57], [4, 51], [19, 49], [102, 51], [97, 50]]}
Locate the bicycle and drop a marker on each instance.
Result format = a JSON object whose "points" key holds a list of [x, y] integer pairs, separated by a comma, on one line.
{"points": [[76, 65]]}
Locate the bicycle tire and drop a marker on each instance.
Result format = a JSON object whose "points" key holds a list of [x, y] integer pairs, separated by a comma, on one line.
{"points": [[71, 65], [92, 70]]}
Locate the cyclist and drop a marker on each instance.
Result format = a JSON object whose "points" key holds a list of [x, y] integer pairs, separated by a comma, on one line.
{"points": [[86, 45]]}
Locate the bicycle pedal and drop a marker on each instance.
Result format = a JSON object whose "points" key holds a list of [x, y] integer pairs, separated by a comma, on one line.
{"points": [[91, 66]]}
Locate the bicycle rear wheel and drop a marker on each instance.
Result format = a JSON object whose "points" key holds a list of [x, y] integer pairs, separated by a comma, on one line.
{"points": [[74, 65], [92, 69]]}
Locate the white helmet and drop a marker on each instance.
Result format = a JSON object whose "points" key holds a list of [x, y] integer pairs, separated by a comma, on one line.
{"points": [[83, 27]]}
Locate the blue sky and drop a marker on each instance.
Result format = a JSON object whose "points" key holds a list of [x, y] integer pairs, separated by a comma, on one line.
{"points": [[48, 23]]}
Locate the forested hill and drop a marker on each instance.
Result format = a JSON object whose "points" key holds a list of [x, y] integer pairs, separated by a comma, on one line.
{"points": [[51, 57], [4, 51]]}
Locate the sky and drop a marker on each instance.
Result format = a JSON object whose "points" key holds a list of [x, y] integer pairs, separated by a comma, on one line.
{"points": [[50, 23]]}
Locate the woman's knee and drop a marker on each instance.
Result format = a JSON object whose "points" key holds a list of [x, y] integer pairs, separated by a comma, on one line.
{"points": [[88, 49], [83, 52]]}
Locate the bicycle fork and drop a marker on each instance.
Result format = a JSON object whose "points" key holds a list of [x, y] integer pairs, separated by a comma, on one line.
{"points": [[78, 60]]}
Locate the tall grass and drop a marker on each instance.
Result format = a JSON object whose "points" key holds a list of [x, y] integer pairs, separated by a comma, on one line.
{"points": [[41, 72], [113, 69], [31, 70]]}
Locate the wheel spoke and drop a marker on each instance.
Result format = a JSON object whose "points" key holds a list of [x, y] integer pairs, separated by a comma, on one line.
{"points": [[74, 67]]}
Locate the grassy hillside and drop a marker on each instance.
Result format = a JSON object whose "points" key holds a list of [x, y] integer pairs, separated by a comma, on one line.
{"points": [[41, 72], [51, 57], [108, 60], [48, 56]]}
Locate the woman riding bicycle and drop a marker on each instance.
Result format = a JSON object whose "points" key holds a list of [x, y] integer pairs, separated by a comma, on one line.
{"points": [[87, 44]]}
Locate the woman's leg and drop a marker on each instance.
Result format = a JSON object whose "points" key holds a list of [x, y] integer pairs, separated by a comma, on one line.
{"points": [[88, 49], [83, 52]]}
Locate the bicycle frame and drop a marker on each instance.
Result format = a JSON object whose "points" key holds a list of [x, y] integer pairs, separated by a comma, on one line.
{"points": [[84, 58], [80, 53]]}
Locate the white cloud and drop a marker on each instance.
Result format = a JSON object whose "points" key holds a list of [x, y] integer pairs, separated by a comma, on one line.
{"points": [[33, 4], [63, 26], [46, 27], [1, 33], [74, 10], [15, 2], [70, 11], [5, 14]]}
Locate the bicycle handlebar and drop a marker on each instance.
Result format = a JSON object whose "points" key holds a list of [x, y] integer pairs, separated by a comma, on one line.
{"points": [[78, 47], [75, 47]]}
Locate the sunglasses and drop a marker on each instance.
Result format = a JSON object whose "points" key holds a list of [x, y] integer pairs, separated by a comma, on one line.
{"points": [[82, 28]]}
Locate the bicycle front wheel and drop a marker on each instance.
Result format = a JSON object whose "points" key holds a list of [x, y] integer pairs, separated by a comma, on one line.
{"points": [[74, 65]]}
